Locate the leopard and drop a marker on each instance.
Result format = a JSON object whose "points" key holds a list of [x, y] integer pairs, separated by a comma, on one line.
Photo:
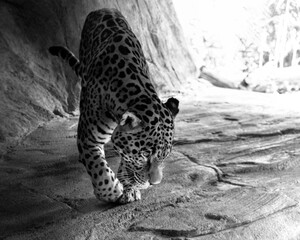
{"points": [[118, 103]]}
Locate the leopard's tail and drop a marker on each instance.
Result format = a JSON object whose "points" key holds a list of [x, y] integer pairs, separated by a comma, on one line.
{"points": [[67, 56]]}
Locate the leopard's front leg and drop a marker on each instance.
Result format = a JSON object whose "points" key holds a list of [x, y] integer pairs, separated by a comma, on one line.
{"points": [[106, 186]]}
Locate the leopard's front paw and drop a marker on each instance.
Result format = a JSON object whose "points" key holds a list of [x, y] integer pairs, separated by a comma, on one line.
{"points": [[130, 195]]}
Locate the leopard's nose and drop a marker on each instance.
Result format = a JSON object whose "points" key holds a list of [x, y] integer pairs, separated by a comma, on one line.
{"points": [[155, 178], [155, 173], [154, 183]]}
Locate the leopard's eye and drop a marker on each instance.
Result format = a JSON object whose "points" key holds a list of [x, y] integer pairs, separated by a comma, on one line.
{"points": [[146, 154]]}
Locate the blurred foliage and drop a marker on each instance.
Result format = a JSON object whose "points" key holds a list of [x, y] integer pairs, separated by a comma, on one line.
{"points": [[241, 35], [282, 33], [249, 44], [278, 41]]}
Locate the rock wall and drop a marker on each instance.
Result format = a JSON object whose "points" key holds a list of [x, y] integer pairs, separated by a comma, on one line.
{"points": [[35, 86]]}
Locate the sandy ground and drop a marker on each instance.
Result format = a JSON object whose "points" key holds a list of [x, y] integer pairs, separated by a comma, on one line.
{"points": [[234, 174]]}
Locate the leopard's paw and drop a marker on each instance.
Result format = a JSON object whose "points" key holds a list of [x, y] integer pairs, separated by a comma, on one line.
{"points": [[130, 195]]}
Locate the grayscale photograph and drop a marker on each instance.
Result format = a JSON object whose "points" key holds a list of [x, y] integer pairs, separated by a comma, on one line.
{"points": [[150, 119]]}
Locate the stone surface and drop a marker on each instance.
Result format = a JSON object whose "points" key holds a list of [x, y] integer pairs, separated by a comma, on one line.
{"points": [[36, 86], [234, 174], [31, 209]]}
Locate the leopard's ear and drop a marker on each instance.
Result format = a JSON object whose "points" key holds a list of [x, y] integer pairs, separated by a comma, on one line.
{"points": [[172, 104], [130, 122]]}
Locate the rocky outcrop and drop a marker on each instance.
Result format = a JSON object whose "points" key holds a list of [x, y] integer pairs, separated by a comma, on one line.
{"points": [[35, 86]]}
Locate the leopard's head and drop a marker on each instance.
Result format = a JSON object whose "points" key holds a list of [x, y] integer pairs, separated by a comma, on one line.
{"points": [[143, 145]]}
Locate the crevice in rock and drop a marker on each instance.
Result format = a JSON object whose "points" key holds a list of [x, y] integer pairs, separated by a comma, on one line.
{"points": [[228, 118], [175, 73], [218, 217], [187, 141], [72, 203], [287, 131], [244, 223], [225, 138], [168, 232], [55, 198], [239, 136], [225, 164], [57, 112], [221, 176]]}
